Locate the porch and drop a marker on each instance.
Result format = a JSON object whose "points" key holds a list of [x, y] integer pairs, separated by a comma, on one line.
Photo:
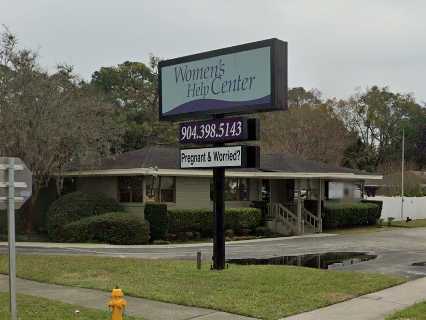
{"points": [[294, 206]]}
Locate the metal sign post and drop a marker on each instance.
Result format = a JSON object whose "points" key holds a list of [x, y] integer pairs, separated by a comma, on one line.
{"points": [[12, 245], [242, 79], [219, 218], [13, 175]]}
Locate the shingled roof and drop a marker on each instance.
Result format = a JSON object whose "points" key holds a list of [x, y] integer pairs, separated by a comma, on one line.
{"points": [[165, 157]]}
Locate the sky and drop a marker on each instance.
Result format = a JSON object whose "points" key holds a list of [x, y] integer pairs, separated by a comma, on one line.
{"points": [[335, 46]]}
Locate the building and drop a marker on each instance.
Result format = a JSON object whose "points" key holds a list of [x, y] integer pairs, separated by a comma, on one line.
{"points": [[292, 190]]}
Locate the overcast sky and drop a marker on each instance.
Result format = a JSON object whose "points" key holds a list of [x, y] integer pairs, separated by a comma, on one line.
{"points": [[335, 46]]}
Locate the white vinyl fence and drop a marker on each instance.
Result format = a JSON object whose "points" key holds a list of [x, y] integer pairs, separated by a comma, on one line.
{"points": [[414, 207]]}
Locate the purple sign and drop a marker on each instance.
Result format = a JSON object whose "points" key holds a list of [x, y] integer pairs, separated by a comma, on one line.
{"points": [[216, 130]]}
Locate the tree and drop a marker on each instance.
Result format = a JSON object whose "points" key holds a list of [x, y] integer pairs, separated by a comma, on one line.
{"points": [[299, 97], [415, 137], [50, 120], [377, 116], [309, 129], [133, 88]]}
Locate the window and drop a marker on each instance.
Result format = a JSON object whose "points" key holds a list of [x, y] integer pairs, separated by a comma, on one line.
{"points": [[130, 189], [236, 189], [161, 189]]}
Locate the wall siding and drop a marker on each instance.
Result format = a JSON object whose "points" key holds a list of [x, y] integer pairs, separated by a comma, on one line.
{"points": [[192, 193], [105, 185]]}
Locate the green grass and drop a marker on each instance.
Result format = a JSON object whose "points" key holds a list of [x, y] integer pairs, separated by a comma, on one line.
{"points": [[415, 312], [267, 292], [418, 223], [32, 308]]}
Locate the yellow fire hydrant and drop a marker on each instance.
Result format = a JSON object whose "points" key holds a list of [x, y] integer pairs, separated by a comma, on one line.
{"points": [[117, 304]]}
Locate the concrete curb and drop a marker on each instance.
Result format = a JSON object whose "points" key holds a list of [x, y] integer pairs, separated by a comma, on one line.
{"points": [[53, 245]]}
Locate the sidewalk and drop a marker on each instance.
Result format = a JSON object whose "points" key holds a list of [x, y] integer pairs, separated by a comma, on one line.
{"points": [[56, 245], [95, 299], [374, 306]]}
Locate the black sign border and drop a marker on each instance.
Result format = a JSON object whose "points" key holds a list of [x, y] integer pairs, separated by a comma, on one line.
{"points": [[251, 132], [279, 84]]}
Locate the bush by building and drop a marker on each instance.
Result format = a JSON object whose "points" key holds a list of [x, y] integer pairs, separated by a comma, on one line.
{"points": [[75, 206], [116, 228], [351, 214], [156, 215], [240, 220]]}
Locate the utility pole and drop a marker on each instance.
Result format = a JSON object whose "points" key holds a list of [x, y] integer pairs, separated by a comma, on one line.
{"points": [[402, 174]]}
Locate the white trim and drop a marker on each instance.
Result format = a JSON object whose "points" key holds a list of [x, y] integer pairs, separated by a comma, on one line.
{"points": [[18, 167], [17, 185], [229, 173]]}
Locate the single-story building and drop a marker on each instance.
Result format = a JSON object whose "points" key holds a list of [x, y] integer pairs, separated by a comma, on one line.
{"points": [[292, 190]]}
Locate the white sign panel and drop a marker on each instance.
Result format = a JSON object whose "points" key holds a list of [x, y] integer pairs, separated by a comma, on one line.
{"points": [[211, 157], [22, 183]]}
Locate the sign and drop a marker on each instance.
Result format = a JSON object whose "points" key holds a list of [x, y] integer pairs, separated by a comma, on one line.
{"points": [[14, 174], [220, 157], [241, 79], [22, 184], [219, 130]]}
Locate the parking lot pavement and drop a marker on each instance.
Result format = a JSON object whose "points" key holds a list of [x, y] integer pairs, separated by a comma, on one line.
{"points": [[396, 249]]}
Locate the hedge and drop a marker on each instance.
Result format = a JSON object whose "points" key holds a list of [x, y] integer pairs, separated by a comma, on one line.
{"points": [[350, 214], [201, 220], [156, 215], [75, 206], [115, 228]]}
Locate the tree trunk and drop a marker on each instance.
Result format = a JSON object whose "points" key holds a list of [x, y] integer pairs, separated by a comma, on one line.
{"points": [[30, 212]]}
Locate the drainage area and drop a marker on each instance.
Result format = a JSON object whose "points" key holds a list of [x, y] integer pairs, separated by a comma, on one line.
{"points": [[327, 260]]}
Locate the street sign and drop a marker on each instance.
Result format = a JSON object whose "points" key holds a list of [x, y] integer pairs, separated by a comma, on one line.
{"points": [[219, 130], [14, 174], [237, 80], [220, 157], [23, 183]]}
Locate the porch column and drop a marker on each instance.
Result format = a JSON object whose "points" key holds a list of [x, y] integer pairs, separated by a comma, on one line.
{"points": [[144, 189], [299, 216], [320, 192]]}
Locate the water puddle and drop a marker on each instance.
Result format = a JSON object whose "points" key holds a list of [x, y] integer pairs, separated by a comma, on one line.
{"points": [[328, 260]]}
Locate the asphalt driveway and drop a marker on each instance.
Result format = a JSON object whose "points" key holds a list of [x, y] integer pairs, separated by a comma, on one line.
{"points": [[396, 249]]}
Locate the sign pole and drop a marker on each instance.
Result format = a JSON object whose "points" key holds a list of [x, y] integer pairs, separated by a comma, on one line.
{"points": [[219, 214], [12, 248]]}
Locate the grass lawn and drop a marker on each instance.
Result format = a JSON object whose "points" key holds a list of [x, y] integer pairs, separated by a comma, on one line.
{"points": [[32, 308], [415, 312], [418, 223], [267, 292]]}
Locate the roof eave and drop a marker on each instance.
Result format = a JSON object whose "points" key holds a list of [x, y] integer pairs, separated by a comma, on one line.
{"points": [[229, 173]]}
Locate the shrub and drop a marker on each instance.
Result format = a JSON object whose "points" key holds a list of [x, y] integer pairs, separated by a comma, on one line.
{"points": [[338, 214], [156, 215], [19, 222], [239, 220], [115, 228], [263, 231], [390, 219], [75, 206]]}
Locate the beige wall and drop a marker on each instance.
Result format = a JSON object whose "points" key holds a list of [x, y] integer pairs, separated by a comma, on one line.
{"points": [[192, 193], [105, 185], [195, 193]]}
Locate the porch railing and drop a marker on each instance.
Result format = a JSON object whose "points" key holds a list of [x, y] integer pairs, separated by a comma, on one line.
{"points": [[312, 220], [293, 221]]}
